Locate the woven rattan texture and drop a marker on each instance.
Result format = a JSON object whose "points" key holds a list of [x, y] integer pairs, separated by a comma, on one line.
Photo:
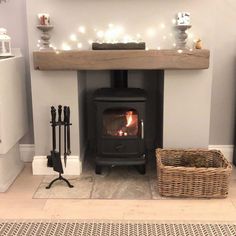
{"points": [[110, 228], [180, 181]]}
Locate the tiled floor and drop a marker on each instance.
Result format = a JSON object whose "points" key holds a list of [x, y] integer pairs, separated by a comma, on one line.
{"points": [[17, 202]]}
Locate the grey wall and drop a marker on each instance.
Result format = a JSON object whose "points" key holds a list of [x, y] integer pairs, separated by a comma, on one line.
{"points": [[224, 74], [13, 18], [223, 47]]}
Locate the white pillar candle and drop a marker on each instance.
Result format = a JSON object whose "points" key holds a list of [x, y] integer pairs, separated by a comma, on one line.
{"points": [[44, 19]]}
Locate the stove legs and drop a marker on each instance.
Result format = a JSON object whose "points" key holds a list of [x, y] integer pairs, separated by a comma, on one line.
{"points": [[98, 170], [142, 169]]}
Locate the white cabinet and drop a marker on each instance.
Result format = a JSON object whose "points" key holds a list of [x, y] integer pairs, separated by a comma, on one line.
{"points": [[13, 108]]}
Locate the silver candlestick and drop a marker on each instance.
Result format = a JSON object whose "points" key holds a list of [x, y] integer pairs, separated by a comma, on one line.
{"points": [[45, 36], [182, 36]]}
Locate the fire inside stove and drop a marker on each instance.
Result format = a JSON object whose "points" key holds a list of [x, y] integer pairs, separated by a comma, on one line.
{"points": [[120, 122]]}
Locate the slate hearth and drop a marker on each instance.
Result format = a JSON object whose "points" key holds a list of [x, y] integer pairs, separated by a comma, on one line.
{"points": [[119, 182]]}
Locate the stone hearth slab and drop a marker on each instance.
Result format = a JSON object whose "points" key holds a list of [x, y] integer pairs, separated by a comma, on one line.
{"points": [[121, 184], [114, 183]]}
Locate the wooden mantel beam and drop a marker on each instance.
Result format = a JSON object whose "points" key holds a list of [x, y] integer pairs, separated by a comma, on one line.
{"points": [[121, 59]]}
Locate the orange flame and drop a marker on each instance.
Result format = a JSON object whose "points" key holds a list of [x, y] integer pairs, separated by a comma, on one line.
{"points": [[129, 118]]}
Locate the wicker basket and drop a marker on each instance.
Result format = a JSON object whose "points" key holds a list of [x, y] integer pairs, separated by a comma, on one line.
{"points": [[180, 181]]}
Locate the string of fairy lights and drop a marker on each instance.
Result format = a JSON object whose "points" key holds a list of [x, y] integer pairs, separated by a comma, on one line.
{"points": [[83, 37]]}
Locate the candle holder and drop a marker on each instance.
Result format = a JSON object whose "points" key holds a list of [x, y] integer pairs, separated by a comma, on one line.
{"points": [[182, 36], [45, 37]]}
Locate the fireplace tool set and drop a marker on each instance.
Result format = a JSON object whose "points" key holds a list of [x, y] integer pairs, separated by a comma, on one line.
{"points": [[54, 160]]}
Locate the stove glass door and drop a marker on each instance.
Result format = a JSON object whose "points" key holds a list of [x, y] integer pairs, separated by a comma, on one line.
{"points": [[120, 122]]}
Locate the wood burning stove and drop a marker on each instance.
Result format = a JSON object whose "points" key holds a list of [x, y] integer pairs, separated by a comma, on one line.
{"points": [[120, 124]]}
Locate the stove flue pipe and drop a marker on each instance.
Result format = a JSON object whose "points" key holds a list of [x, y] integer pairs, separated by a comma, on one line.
{"points": [[119, 79]]}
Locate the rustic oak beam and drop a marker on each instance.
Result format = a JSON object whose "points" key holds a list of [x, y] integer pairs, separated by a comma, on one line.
{"points": [[121, 59]]}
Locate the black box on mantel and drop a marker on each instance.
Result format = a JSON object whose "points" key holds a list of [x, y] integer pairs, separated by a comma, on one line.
{"points": [[119, 46]]}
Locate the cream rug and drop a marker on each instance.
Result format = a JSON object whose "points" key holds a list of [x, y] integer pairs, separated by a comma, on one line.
{"points": [[113, 228]]}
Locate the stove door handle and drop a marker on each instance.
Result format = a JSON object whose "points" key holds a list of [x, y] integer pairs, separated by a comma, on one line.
{"points": [[142, 129]]}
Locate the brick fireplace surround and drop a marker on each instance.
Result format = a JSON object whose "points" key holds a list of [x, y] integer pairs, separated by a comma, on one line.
{"points": [[64, 78]]}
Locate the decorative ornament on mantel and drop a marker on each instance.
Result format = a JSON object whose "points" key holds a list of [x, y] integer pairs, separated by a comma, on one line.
{"points": [[198, 44], [182, 24], [5, 43], [45, 26]]}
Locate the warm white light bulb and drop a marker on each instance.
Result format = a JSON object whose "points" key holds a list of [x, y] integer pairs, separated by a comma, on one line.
{"points": [[66, 47], [82, 29], [120, 29], [151, 32], [138, 38], [163, 25], [112, 34], [159, 48], [73, 37], [179, 51], [110, 25], [90, 41], [127, 39], [79, 45], [100, 34], [174, 44]]}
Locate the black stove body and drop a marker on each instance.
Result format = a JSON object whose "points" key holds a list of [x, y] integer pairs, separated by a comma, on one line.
{"points": [[120, 124]]}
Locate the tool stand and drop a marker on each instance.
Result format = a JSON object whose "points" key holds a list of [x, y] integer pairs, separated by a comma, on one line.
{"points": [[59, 178], [55, 158]]}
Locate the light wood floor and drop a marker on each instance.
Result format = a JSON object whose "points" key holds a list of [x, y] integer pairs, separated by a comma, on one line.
{"points": [[17, 202]]}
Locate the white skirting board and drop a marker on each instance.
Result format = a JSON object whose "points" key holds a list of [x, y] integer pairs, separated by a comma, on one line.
{"points": [[27, 152], [74, 163]]}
